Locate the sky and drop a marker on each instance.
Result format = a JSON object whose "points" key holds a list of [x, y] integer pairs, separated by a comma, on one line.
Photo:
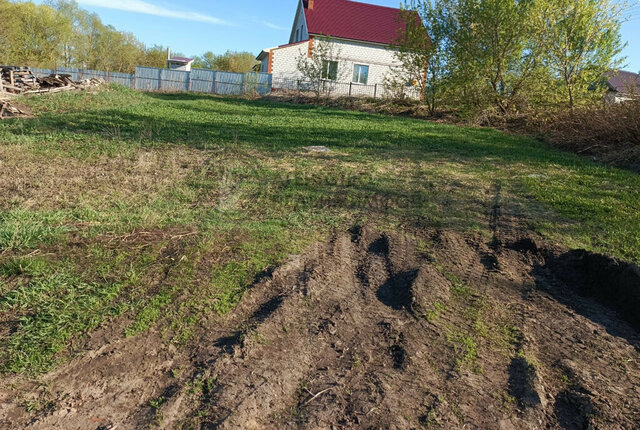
{"points": [[193, 27]]}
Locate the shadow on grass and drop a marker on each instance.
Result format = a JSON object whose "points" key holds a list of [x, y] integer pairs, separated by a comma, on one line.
{"points": [[200, 121]]}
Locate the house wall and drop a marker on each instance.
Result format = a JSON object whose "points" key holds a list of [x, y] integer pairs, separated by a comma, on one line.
{"points": [[285, 61], [379, 58], [181, 67], [264, 64], [615, 97], [299, 31]]}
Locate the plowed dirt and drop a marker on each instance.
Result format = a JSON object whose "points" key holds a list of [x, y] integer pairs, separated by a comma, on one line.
{"points": [[376, 330]]}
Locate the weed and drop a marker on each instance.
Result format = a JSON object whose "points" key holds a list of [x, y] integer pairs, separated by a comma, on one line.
{"points": [[157, 403], [432, 315]]}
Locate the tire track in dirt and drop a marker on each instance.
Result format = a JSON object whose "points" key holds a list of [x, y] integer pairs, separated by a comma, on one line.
{"points": [[366, 331]]}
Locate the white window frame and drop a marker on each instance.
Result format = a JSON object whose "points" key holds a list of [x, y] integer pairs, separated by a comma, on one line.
{"points": [[358, 66], [326, 74]]}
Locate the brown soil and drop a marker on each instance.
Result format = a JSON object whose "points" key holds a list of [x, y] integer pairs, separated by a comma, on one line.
{"points": [[373, 330]]}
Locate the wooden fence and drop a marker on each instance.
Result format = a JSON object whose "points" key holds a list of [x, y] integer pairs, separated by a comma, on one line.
{"points": [[165, 80]]}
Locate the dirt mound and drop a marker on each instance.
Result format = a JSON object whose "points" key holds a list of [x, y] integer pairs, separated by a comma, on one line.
{"points": [[614, 283], [372, 330]]}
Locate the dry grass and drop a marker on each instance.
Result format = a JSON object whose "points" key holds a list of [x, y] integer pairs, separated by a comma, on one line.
{"points": [[611, 133], [49, 182]]}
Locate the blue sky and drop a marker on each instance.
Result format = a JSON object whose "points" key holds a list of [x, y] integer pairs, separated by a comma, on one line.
{"points": [[195, 26]]}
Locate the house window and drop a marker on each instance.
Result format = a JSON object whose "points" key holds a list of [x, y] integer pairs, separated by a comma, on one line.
{"points": [[361, 74], [330, 70], [297, 35]]}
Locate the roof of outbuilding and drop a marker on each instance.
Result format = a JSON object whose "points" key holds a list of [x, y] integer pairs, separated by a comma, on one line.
{"points": [[353, 20], [181, 59], [623, 82]]}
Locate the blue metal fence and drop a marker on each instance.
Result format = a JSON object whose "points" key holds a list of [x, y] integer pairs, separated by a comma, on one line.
{"points": [[155, 79], [202, 81]]}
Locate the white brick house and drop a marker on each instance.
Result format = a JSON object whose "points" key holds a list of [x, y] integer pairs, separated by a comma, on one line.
{"points": [[361, 34]]}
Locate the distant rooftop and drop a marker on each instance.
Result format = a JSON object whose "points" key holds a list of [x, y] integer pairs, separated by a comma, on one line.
{"points": [[181, 60], [623, 82]]}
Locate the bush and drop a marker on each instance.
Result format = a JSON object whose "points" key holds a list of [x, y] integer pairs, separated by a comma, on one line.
{"points": [[609, 132]]}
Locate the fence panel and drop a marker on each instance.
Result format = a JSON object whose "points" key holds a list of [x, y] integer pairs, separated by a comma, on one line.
{"points": [[258, 82], [41, 73], [125, 79], [203, 81], [230, 83], [75, 73], [156, 79], [174, 80], [148, 79]]}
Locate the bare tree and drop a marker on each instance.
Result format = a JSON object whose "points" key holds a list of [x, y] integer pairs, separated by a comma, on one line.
{"points": [[321, 69]]}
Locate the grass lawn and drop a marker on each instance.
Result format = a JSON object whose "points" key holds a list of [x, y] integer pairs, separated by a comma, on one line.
{"points": [[162, 209]]}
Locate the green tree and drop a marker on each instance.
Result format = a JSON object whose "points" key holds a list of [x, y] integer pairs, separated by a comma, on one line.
{"points": [[33, 34], [230, 61], [582, 42], [495, 48], [421, 49]]}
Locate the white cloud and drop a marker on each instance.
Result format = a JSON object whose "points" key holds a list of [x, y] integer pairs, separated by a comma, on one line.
{"points": [[274, 26], [140, 6]]}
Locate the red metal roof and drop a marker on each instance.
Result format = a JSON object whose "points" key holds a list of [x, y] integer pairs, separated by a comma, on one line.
{"points": [[352, 20], [181, 59]]}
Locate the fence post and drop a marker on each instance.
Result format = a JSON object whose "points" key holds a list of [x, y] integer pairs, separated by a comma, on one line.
{"points": [[160, 79], [350, 86], [298, 86], [375, 91], [135, 79], [189, 85], [108, 77], [244, 84]]}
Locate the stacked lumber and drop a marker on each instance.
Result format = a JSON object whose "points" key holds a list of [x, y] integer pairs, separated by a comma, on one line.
{"points": [[20, 80], [16, 80]]}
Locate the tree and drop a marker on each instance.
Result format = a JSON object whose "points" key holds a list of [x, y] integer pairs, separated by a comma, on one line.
{"points": [[496, 49], [582, 41], [321, 68], [230, 61], [33, 34], [421, 51]]}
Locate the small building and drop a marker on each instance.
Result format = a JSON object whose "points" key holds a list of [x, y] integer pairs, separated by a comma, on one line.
{"points": [[622, 86], [362, 35], [180, 63]]}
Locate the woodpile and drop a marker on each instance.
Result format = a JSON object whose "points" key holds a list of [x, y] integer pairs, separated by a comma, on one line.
{"points": [[9, 109], [17, 80], [20, 80]]}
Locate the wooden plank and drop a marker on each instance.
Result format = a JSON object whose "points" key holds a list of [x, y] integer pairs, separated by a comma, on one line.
{"points": [[11, 87]]}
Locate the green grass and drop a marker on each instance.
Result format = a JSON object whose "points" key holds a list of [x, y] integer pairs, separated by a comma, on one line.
{"points": [[165, 207]]}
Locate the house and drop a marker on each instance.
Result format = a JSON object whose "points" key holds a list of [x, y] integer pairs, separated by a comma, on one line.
{"points": [[361, 36], [180, 63], [622, 86]]}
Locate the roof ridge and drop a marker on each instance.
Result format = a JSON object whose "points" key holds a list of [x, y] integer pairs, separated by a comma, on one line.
{"points": [[372, 5]]}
